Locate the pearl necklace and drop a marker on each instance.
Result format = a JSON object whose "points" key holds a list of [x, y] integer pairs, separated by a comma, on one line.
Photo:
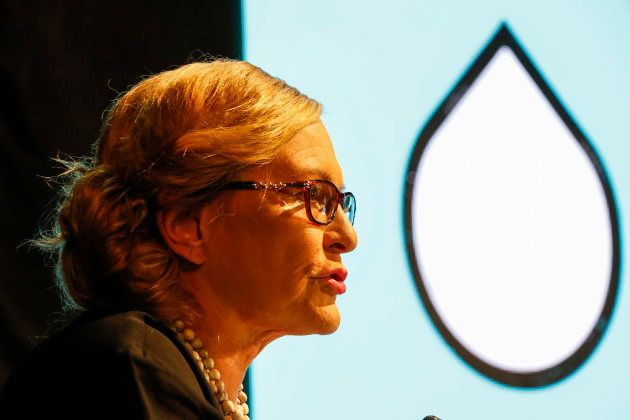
{"points": [[231, 411]]}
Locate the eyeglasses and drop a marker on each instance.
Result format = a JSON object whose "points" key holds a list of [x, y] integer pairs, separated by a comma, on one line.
{"points": [[321, 197]]}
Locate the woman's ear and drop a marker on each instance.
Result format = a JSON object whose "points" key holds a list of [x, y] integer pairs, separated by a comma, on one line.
{"points": [[182, 234]]}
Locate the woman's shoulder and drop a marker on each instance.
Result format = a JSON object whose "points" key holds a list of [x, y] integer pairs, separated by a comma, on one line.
{"points": [[133, 332], [96, 336], [125, 360]]}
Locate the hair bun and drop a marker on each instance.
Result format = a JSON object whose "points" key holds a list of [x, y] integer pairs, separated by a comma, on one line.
{"points": [[100, 223]]}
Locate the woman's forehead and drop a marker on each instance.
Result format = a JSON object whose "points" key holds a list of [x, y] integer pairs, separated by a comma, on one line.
{"points": [[309, 155]]}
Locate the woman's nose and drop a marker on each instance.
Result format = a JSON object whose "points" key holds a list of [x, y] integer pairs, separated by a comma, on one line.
{"points": [[340, 236]]}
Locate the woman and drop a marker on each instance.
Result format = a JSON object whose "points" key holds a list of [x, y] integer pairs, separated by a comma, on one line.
{"points": [[208, 223]]}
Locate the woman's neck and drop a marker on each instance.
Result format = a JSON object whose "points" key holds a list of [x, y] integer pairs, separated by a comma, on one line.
{"points": [[231, 342]]}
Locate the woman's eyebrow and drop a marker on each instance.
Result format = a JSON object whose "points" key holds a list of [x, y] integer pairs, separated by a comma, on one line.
{"points": [[316, 173]]}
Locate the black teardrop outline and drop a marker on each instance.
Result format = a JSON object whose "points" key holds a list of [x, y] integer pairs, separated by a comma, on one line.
{"points": [[504, 37]]}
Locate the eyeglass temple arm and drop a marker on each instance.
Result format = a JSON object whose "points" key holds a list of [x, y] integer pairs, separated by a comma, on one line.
{"points": [[256, 185], [242, 185]]}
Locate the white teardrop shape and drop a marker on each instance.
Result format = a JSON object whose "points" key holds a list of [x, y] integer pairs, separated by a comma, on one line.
{"points": [[511, 225]]}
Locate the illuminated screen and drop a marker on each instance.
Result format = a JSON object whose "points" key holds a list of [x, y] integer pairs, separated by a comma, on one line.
{"points": [[511, 224], [513, 238]]}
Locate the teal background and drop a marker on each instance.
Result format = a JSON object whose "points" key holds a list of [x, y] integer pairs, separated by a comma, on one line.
{"points": [[380, 69]]}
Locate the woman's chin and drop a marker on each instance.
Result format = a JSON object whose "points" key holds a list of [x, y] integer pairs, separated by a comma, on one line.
{"points": [[324, 321], [330, 318]]}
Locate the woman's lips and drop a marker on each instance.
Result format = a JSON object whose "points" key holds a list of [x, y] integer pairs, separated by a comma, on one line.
{"points": [[339, 274], [336, 280], [337, 286]]}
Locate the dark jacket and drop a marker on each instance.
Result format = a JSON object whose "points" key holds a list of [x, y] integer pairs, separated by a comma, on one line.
{"points": [[117, 366]]}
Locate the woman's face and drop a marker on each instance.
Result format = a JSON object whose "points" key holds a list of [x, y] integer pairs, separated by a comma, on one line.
{"points": [[264, 258]]}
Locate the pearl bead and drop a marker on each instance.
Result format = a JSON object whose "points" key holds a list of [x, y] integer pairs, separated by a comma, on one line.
{"points": [[245, 408], [179, 326], [188, 334], [195, 356], [200, 365], [215, 375], [222, 396], [188, 346], [237, 415], [228, 406], [220, 386], [208, 363], [196, 343], [242, 396], [203, 353], [213, 386], [205, 375], [227, 417]]}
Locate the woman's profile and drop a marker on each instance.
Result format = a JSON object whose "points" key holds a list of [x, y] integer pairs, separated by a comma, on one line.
{"points": [[210, 220]]}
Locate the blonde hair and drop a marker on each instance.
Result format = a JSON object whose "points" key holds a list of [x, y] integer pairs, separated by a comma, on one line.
{"points": [[172, 141]]}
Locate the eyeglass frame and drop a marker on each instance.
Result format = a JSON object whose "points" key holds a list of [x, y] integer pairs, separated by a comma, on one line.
{"points": [[306, 188]]}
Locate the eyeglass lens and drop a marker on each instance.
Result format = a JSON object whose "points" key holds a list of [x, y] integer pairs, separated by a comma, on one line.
{"points": [[323, 198], [349, 206]]}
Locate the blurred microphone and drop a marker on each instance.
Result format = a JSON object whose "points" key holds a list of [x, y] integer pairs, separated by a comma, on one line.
{"points": [[431, 418]]}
